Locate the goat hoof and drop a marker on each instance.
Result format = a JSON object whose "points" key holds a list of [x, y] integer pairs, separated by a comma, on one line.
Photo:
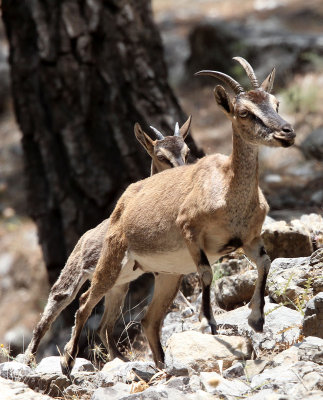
{"points": [[66, 367], [258, 325], [213, 329]]}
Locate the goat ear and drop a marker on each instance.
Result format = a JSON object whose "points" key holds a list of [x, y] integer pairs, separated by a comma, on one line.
{"points": [[185, 128], [268, 83], [144, 139], [223, 100]]}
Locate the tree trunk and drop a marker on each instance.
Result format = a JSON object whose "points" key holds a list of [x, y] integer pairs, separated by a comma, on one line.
{"points": [[83, 72]]}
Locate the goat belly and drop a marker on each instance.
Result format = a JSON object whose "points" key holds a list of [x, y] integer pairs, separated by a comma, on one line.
{"points": [[171, 262]]}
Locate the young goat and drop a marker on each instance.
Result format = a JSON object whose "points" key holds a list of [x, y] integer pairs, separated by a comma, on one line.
{"points": [[185, 218], [166, 152]]}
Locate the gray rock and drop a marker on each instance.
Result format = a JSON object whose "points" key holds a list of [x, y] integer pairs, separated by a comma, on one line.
{"points": [[292, 280], [194, 351], [52, 364], [156, 393], [284, 240], [235, 371], [312, 146], [14, 370], [313, 317], [294, 381], [311, 349], [281, 325], [235, 290], [117, 392], [19, 391], [130, 371], [215, 384], [254, 367]]}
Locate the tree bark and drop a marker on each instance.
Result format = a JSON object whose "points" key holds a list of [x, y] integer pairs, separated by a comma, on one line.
{"points": [[83, 72]]}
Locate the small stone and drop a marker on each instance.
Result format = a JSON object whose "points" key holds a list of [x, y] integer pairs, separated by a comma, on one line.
{"points": [[235, 371], [215, 384], [254, 367]]}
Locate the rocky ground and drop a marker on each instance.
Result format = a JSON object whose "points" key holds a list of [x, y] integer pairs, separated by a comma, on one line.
{"points": [[286, 361]]}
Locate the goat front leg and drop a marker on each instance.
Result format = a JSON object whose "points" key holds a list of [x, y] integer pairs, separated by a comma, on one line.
{"points": [[165, 290], [205, 274], [257, 253]]}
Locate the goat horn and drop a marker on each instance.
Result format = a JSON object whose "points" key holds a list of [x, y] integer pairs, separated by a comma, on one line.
{"points": [[249, 70], [159, 135], [176, 132], [235, 86]]}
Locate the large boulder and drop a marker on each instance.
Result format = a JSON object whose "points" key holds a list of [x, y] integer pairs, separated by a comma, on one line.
{"points": [[293, 281], [11, 390], [284, 240], [313, 317], [195, 351], [282, 325]]}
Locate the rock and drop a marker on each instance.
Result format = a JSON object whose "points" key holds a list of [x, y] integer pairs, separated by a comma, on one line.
{"points": [[286, 357], [52, 384], [117, 392], [284, 240], [254, 367], [14, 370], [234, 371], [19, 391], [235, 290], [294, 381], [282, 325], [311, 349], [312, 146], [215, 384], [313, 317], [292, 281], [314, 224], [50, 365], [127, 372], [187, 351]]}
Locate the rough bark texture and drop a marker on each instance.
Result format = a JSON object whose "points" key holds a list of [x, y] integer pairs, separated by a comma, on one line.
{"points": [[83, 72]]}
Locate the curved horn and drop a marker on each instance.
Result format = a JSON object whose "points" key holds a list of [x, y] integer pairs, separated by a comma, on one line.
{"points": [[159, 135], [176, 131], [234, 85], [249, 70]]}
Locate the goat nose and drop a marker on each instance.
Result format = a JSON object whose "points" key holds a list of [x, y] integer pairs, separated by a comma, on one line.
{"points": [[288, 129]]}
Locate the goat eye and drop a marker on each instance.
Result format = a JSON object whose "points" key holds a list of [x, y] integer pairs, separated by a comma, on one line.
{"points": [[187, 154], [160, 157], [243, 113], [277, 107]]}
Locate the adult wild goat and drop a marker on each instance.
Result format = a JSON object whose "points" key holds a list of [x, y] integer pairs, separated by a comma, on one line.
{"points": [[185, 218], [165, 152]]}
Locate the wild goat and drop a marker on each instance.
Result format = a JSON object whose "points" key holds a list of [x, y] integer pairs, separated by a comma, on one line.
{"points": [[166, 152], [185, 218]]}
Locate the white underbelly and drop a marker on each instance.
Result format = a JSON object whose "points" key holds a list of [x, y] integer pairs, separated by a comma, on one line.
{"points": [[173, 262]]}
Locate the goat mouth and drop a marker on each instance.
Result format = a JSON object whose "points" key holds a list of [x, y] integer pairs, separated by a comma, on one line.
{"points": [[284, 141]]}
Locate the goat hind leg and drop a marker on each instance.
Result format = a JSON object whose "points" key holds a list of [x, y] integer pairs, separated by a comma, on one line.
{"points": [[104, 278], [114, 301], [60, 296], [165, 290]]}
